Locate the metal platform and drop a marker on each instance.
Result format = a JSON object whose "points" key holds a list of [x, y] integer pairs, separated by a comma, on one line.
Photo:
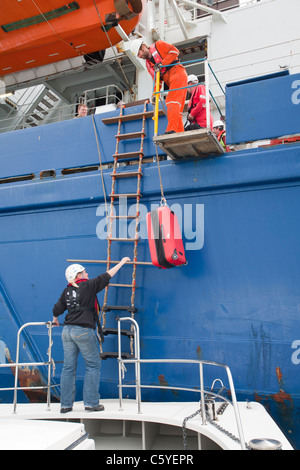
{"points": [[199, 143]]}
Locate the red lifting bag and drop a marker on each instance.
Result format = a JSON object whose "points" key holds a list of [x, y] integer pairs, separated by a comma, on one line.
{"points": [[165, 241]]}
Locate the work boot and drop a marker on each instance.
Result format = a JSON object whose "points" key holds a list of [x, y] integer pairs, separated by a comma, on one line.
{"points": [[65, 410], [95, 408]]}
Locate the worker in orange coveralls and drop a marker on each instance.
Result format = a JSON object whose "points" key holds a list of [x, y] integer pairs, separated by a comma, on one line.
{"points": [[160, 54]]}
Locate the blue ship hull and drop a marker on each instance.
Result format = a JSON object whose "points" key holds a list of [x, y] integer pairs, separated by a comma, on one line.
{"points": [[235, 302]]}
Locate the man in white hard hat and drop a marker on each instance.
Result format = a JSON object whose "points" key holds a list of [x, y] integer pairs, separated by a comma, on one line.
{"points": [[220, 133], [165, 57], [80, 299], [197, 103]]}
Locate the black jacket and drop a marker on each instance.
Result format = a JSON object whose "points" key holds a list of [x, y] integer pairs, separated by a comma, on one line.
{"points": [[81, 302]]}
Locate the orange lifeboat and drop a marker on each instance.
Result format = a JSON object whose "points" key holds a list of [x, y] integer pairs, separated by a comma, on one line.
{"points": [[40, 32]]}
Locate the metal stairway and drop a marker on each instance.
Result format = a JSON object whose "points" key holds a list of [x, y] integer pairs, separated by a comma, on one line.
{"points": [[41, 110]]}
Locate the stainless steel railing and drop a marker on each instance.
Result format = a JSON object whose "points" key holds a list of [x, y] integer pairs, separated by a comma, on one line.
{"points": [[137, 361], [17, 364]]}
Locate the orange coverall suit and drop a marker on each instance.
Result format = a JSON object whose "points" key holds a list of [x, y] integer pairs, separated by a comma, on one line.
{"points": [[175, 77]]}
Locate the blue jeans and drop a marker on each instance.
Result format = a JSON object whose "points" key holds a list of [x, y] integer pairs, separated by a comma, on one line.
{"points": [[77, 339]]}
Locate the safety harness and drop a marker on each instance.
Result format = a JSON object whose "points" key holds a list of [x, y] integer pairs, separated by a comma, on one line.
{"points": [[157, 60], [73, 304]]}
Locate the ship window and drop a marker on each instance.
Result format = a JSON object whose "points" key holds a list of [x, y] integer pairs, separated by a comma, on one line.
{"points": [[33, 20], [47, 174], [16, 179], [82, 169]]}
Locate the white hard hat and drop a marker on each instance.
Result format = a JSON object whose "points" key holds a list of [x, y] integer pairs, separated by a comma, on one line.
{"points": [[72, 271], [192, 78], [135, 46], [218, 124]]}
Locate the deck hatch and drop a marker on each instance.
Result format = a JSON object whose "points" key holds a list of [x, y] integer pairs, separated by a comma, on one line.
{"points": [[33, 20]]}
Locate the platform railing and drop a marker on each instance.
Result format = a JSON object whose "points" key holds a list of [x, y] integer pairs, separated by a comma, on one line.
{"points": [[17, 364], [137, 361], [17, 118], [157, 93]]}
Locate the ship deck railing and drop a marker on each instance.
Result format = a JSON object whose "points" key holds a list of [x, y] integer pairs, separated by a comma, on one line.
{"points": [[206, 396], [35, 110], [38, 111], [15, 365]]}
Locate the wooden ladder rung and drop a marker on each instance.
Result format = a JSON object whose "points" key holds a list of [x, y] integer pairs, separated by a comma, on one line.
{"points": [[128, 155], [130, 135], [131, 117], [126, 195], [122, 285], [126, 174], [115, 239], [123, 216]]}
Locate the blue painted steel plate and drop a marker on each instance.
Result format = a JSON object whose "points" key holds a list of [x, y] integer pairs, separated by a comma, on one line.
{"points": [[263, 108]]}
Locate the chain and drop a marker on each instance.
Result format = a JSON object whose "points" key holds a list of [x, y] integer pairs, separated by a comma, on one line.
{"points": [[213, 423], [224, 431], [222, 408], [184, 427]]}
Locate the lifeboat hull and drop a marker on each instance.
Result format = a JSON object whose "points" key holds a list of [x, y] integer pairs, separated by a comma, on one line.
{"points": [[40, 32]]}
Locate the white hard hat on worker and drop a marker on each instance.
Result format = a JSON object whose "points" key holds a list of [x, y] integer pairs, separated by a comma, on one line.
{"points": [[72, 271], [218, 123], [193, 79], [135, 46]]}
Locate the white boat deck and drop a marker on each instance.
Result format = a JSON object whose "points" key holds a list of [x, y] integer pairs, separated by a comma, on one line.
{"points": [[158, 426], [24, 434]]}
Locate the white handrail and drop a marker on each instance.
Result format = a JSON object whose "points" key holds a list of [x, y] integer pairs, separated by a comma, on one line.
{"points": [[18, 364], [49, 325], [64, 112], [138, 386]]}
